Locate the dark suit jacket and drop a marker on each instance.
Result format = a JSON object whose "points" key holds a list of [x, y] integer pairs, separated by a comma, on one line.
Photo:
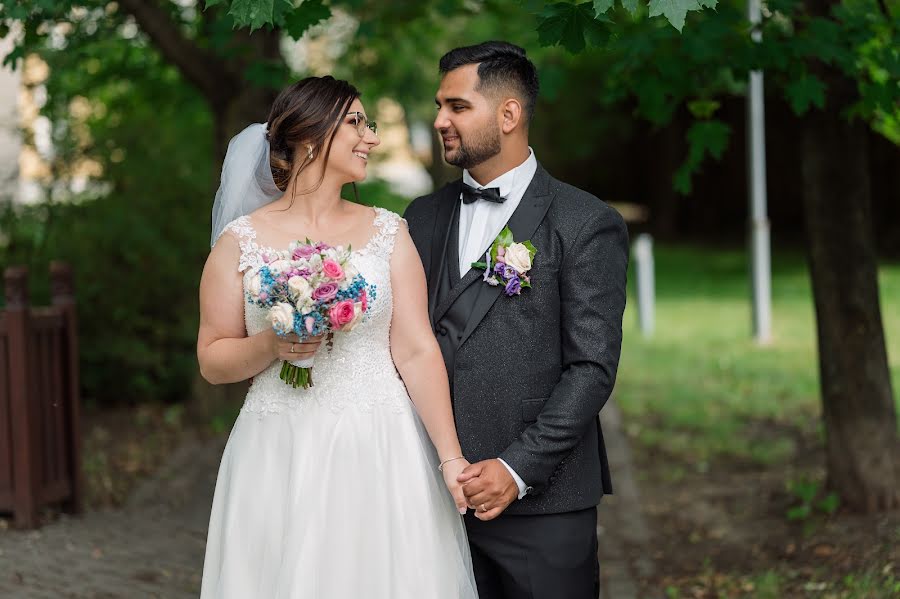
{"points": [[529, 373]]}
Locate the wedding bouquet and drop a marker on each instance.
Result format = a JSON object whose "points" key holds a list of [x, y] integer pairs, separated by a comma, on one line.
{"points": [[311, 289]]}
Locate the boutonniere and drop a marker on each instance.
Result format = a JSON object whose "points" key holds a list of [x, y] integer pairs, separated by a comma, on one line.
{"points": [[507, 263]]}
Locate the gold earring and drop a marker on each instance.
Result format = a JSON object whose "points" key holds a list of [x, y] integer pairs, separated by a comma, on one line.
{"points": [[309, 151]]}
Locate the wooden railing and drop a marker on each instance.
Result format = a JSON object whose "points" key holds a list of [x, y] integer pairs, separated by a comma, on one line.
{"points": [[40, 436]]}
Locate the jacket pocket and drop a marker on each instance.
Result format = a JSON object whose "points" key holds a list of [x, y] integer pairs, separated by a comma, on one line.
{"points": [[531, 408]]}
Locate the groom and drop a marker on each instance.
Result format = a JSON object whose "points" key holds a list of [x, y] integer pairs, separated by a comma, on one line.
{"points": [[529, 372]]}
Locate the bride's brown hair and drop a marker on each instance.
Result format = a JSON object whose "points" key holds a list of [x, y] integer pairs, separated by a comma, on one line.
{"points": [[306, 113]]}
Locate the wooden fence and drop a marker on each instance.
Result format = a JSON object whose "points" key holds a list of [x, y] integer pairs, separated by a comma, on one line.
{"points": [[40, 436]]}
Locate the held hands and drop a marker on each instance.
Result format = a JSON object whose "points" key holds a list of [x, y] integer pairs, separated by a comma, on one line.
{"points": [[452, 471], [489, 488], [282, 346]]}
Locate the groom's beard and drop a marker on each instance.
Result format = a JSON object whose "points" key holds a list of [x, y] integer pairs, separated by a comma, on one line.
{"points": [[483, 145]]}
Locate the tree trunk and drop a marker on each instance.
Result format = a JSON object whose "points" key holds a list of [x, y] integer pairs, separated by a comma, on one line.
{"points": [[863, 450], [248, 103]]}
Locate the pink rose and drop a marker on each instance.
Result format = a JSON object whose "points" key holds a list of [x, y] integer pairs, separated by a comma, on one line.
{"points": [[341, 313], [304, 251], [325, 292], [332, 269]]}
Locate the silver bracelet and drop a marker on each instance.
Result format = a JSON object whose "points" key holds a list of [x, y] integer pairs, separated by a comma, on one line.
{"points": [[441, 467]]}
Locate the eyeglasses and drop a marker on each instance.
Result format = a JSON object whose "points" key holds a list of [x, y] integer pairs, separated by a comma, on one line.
{"points": [[362, 123]]}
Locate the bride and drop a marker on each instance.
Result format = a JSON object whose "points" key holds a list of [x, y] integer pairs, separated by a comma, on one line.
{"points": [[331, 492]]}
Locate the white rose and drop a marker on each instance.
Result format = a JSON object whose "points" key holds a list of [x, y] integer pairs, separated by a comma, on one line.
{"points": [[331, 253], [300, 289], [518, 257], [350, 273], [307, 306], [357, 317], [281, 315], [254, 285], [315, 262], [278, 267]]}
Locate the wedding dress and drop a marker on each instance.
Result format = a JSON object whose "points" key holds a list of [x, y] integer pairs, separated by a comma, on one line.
{"points": [[333, 492]]}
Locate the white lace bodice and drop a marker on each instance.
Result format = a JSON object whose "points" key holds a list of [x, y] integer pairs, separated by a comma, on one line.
{"points": [[358, 371]]}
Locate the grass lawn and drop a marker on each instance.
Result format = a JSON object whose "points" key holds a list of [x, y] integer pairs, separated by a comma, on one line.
{"points": [[726, 432], [701, 387]]}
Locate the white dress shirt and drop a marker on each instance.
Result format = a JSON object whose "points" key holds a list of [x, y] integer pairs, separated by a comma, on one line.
{"points": [[481, 221]]}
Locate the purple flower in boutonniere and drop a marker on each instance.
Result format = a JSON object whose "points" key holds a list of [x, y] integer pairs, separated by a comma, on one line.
{"points": [[508, 262], [513, 287], [488, 277]]}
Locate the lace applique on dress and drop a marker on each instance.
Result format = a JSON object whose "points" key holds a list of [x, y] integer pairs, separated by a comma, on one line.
{"points": [[251, 253]]}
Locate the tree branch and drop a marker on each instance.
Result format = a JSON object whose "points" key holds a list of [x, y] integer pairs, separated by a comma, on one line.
{"points": [[202, 69]]}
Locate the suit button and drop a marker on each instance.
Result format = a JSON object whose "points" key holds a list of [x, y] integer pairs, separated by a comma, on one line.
{"points": [[443, 331]]}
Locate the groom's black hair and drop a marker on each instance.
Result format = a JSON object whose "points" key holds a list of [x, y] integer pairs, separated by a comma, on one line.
{"points": [[501, 65]]}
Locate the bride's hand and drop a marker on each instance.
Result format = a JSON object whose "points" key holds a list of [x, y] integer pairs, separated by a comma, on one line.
{"points": [[290, 348], [451, 471]]}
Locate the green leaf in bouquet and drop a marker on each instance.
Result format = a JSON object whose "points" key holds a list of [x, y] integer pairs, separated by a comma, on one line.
{"points": [[531, 249], [479, 265], [524, 284], [505, 238]]}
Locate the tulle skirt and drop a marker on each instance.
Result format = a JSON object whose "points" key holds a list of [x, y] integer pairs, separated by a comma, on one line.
{"points": [[334, 504]]}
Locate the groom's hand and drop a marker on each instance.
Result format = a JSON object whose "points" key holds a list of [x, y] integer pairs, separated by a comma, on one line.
{"points": [[489, 488]]}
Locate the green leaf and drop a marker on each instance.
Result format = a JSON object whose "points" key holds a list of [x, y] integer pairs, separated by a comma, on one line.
{"points": [[479, 265], [830, 503], [299, 20], [252, 13], [601, 6], [674, 10], [631, 6], [801, 512], [531, 249], [505, 237], [209, 3], [703, 109], [805, 91], [709, 137], [572, 24], [705, 138]]}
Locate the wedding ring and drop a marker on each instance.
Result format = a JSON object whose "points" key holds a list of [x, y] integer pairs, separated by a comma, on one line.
{"points": [[292, 348], [483, 509]]}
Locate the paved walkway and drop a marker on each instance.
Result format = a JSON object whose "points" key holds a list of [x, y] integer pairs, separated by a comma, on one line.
{"points": [[624, 538], [153, 547]]}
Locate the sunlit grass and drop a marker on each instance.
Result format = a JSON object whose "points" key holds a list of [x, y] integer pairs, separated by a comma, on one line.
{"points": [[701, 386]]}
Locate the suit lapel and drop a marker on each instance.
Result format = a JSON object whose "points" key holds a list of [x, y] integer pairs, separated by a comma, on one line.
{"points": [[523, 223], [447, 210]]}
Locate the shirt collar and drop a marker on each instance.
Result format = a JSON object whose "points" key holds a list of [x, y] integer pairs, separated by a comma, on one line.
{"points": [[510, 180]]}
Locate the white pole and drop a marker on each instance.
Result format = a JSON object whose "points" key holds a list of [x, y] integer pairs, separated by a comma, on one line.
{"points": [[761, 271], [643, 254]]}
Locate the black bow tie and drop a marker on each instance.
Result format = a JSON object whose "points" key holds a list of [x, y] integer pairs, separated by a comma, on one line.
{"points": [[471, 194]]}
